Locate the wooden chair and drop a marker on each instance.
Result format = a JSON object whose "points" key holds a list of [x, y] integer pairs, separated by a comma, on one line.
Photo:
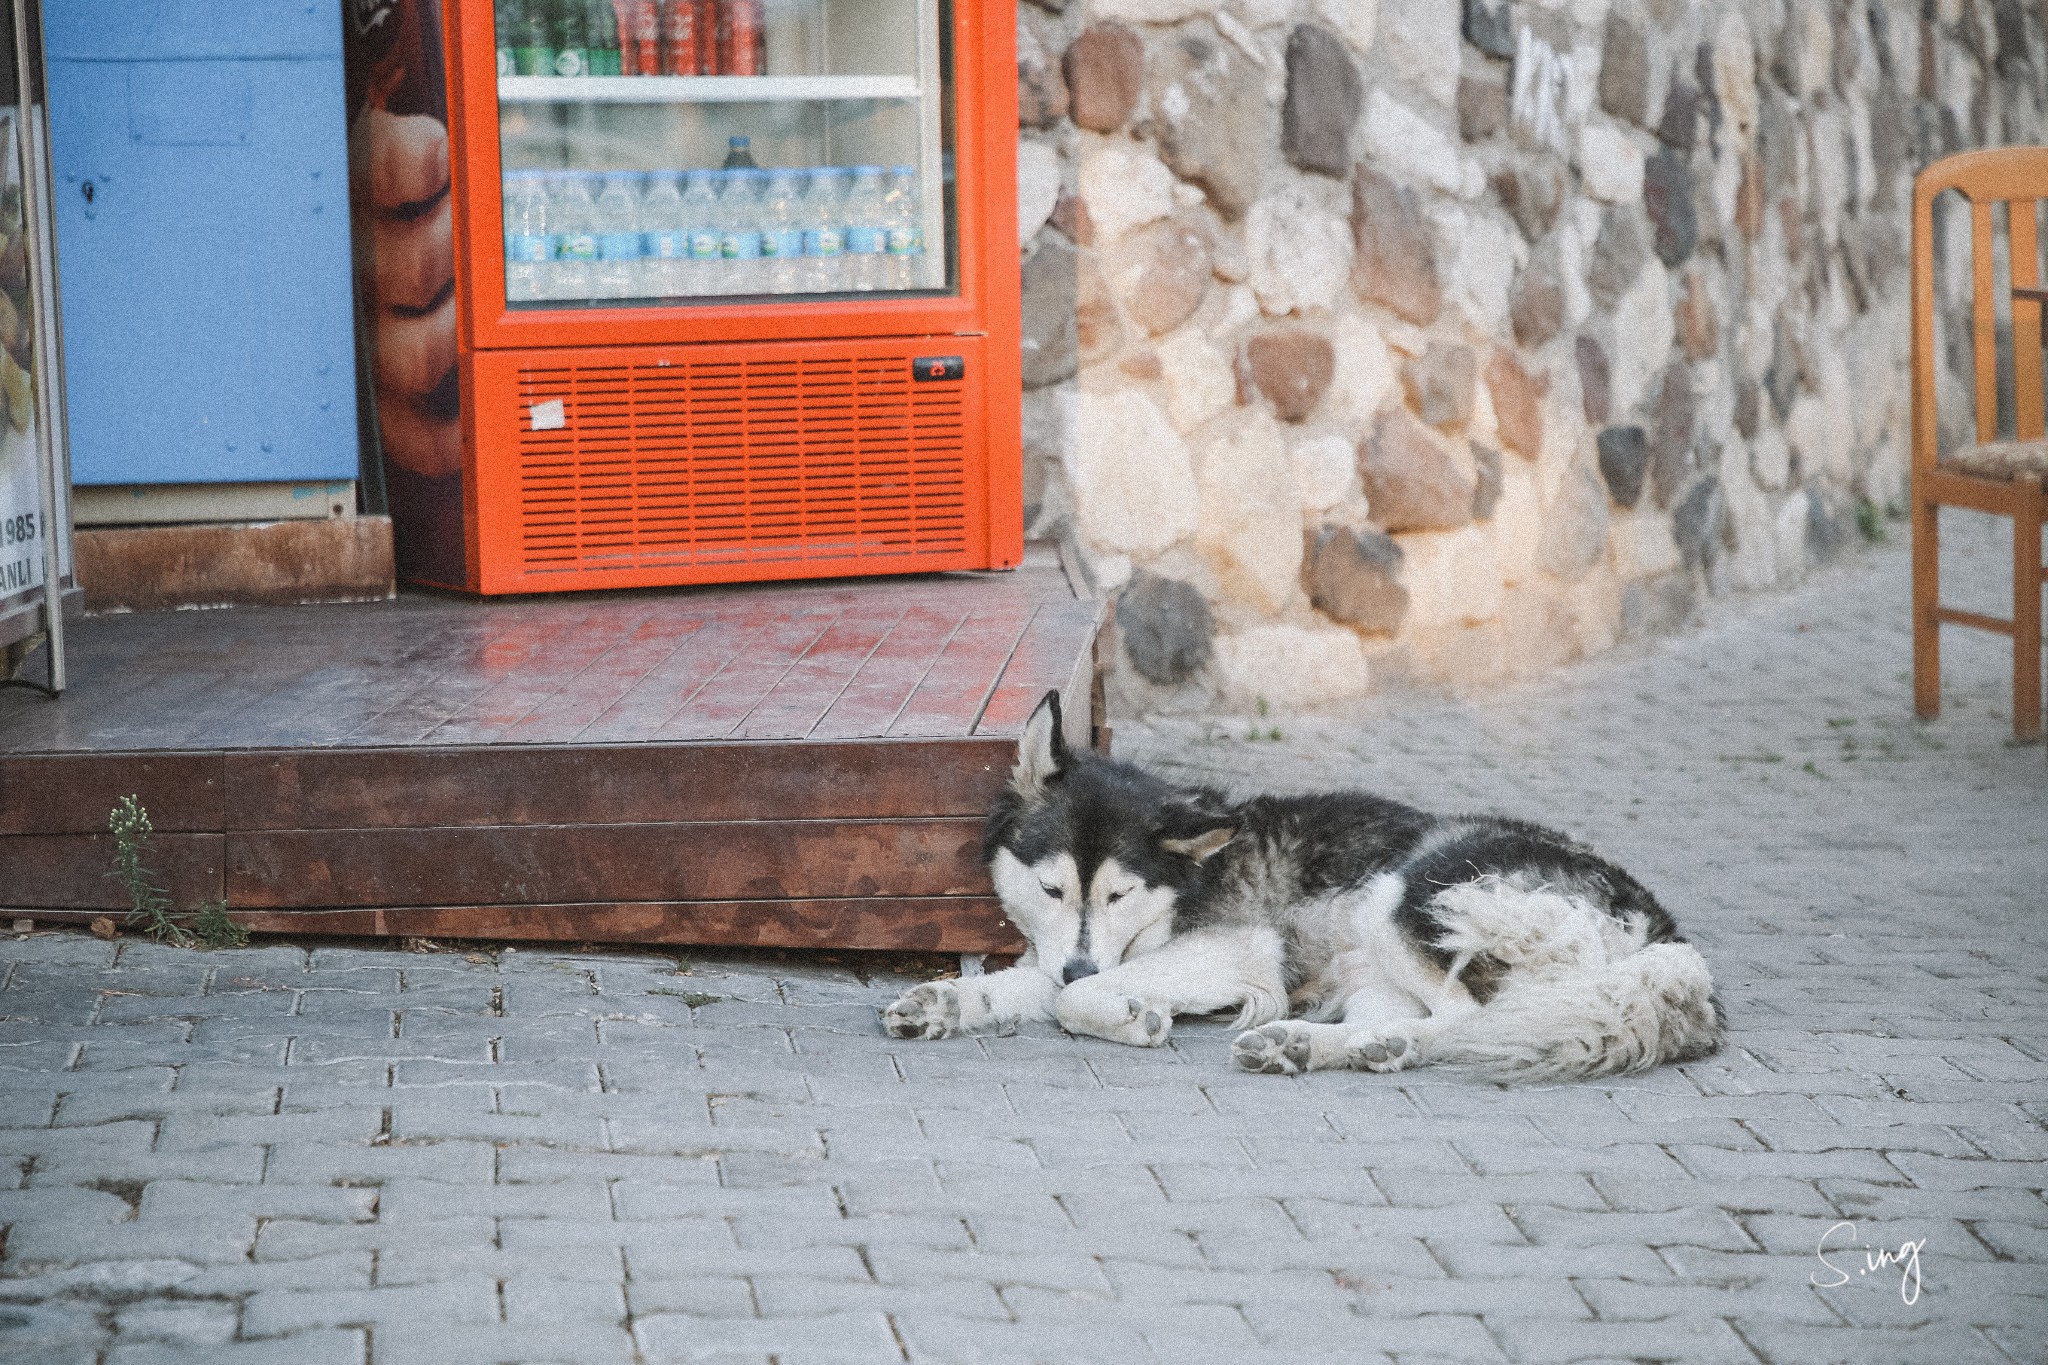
{"points": [[2008, 477]]}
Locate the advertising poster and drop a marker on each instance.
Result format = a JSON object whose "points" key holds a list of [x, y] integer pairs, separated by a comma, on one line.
{"points": [[404, 228], [22, 532]]}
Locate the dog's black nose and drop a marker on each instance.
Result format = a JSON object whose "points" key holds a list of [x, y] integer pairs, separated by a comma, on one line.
{"points": [[1076, 968]]}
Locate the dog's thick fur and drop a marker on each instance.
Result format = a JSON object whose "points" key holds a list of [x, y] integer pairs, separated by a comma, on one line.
{"points": [[1346, 930]]}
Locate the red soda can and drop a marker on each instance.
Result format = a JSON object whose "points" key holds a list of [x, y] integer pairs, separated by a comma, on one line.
{"points": [[680, 41], [639, 37], [742, 39], [707, 38]]}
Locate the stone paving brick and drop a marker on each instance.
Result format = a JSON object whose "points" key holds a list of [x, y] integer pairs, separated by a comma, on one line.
{"points": [[200, 1322], [1693, 1341], [849, 1336], [344, 1347], [347, 1149], [1935, 1344], [491, 1343]]}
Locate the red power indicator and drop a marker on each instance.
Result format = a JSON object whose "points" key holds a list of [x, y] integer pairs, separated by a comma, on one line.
{"points": [[927, 368]]}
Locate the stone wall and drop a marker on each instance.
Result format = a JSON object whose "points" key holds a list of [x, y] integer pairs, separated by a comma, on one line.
{"points": [[1439, 342]]}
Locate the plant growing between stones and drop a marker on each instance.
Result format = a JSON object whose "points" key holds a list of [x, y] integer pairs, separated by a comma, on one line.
{"points": [[149, 902]]}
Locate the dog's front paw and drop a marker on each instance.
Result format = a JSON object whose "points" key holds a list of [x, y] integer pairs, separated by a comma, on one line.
{"points": [[1114, 1016], [1273, 1050], [928, 1011], [1389, 1051]]}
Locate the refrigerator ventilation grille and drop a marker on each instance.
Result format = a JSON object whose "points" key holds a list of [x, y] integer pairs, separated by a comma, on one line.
{"points": [[739, 462]]}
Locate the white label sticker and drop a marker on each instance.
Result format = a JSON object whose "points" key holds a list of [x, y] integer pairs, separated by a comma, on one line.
{"points": [[548, 416]]}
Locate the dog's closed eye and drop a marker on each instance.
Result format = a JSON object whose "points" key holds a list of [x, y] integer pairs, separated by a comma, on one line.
{"points": [[1052, 891], [1113, 897]]}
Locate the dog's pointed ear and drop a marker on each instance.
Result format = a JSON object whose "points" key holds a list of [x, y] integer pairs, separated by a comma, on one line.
{"points": [[1041, 750], [1200, 847]]}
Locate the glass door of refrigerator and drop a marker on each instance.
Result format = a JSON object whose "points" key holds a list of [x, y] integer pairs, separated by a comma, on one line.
{"points": [[664, 152]]}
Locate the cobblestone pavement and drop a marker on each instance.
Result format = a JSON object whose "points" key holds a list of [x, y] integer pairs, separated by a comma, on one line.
{"points": [[339, 1155]]}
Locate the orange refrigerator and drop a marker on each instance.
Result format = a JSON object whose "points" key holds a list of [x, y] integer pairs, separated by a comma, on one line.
{"points": [[736, 291]]}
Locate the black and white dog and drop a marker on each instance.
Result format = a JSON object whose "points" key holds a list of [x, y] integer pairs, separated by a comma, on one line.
{"points": [[1346, 930]]}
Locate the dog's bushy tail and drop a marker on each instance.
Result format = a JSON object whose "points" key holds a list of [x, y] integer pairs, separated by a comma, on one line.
{"points": [[1582, 995]]}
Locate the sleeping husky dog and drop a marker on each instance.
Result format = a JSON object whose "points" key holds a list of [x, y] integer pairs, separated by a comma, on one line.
{"points": [[1347, 931]]}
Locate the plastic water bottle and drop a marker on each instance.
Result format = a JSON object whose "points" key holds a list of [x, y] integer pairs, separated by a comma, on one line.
{"points": [[616, 221], [905, 217], [867, 229], [664, 240], [700, 226], [576, 235], [739, 229], [782, 233], [739, 154], [825, 231], [529, 245]]}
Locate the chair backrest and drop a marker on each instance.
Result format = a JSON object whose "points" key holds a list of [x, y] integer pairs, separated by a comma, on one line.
{"points": [[2017, 177]]}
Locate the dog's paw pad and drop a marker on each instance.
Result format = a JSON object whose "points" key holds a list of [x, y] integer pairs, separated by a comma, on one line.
{"points": [[926, 1011], [1265, 1050], [1388, 1052], [1154, 1024]]}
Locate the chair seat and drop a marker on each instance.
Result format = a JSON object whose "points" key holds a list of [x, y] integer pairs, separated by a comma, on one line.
{"points": [[2001, 460]]}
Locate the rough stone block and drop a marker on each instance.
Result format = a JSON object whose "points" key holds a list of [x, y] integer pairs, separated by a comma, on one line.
{"points": [[1411, 482], [1625, 70], [1050, 337], [1439, 384], [1105, 74], [1354, 576], [1324, 95], [1164, 275], [1575, 525], [1395, 262], [1291, 368], [1624, 462], [1490, 27], [1696, 522], [1536, 302], [1210, 99], [1667, 198], [1166, 627], [1517, 403]]}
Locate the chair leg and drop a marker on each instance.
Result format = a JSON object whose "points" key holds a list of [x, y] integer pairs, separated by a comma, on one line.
{"points": [[2026, 614], [1926, 594]]}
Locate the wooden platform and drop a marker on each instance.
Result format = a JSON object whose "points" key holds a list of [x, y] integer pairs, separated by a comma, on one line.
{"points": [[800, 765]]}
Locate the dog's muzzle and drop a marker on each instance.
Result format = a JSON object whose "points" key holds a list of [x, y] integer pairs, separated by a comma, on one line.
{"points": [[1076, 968]]}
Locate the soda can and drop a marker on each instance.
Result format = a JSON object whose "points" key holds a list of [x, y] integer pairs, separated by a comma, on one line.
{"points": [[742, 39], [639, 37], [680, 45]]}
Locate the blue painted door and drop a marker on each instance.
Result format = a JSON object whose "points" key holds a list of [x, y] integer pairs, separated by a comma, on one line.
{"points": [[200, 150]]}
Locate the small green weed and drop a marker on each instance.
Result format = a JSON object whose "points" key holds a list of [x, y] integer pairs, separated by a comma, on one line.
{"points": [[1870, 521], [693, 999], [149, 902], [1809, 768], [212, 927]]}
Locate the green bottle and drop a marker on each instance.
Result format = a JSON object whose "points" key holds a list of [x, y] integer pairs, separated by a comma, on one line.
{"points": [[533, 37], [572, 40], [604, 38]]}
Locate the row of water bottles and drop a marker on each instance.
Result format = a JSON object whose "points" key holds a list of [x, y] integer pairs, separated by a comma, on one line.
{"points": [[661, 234]]}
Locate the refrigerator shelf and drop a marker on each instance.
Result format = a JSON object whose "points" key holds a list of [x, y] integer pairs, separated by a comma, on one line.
{"points": [[701, 89]]}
